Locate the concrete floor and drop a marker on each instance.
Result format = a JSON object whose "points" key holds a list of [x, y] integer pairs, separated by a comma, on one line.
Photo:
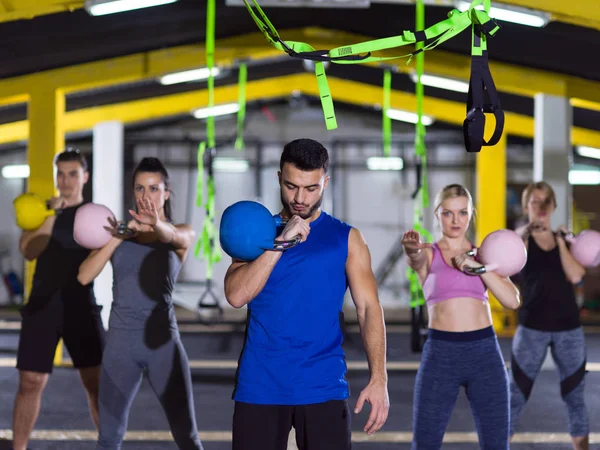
{"points": [[64, 408]]}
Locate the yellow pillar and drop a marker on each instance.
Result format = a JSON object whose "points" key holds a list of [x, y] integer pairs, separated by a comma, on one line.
{"points": [[46, 138], [491, 202]]}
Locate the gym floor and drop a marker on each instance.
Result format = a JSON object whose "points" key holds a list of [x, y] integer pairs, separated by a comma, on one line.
{"points": [[64, 421]]}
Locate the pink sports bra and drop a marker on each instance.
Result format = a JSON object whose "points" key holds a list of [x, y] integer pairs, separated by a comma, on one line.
{"points": [[445, 282]]}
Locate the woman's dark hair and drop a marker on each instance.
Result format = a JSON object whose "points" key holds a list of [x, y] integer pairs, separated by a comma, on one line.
{"points": [[305, 154], [154, 165]]}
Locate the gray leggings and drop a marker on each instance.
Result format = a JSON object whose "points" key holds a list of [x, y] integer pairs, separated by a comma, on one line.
{"points": [[126, 359], [568, 351]]}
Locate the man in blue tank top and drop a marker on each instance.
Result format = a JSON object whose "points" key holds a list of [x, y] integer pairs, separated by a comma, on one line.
{"points": [[292, 370]]}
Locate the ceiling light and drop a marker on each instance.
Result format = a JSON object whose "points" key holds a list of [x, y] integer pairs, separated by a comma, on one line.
{"points": [[442, 83], [230, 165], [513, 14], [189, 75], [405, 116], [588, 152], [584, 177], [385, 163], [219, 110], [103, 7], [15, 171]]}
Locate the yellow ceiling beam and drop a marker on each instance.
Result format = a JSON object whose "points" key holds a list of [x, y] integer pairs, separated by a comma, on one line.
{"points": [[585, 13], [14, 132], [508, 78], [342, 90], [11, 10], [14, 100], [129, 69]]}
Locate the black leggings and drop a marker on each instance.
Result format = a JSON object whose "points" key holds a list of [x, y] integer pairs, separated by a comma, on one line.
{"points": [[126, 358]]}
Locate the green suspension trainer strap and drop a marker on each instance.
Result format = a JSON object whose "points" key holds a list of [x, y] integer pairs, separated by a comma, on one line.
{"points": [[207, 240], [422, 202], [387, 121], [241, 115], [481, 24], [206, 246]]}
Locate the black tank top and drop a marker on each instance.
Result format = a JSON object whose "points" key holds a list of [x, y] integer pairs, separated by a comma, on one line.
{"points": [[57, 267], [549, 302]]}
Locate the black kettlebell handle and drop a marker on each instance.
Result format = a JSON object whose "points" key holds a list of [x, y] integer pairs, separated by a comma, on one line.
{"points": [[56, 210], [124, 231], [285, 245]]}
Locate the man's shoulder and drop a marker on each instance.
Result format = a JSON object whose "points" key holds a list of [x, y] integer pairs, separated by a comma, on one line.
{"points": [[335, 221]]}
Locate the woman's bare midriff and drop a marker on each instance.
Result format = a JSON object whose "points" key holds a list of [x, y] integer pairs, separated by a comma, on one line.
{"points": [[460, 314]]}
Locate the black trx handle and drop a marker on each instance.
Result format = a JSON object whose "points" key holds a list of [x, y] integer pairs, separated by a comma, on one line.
{"points": [[480, 83], [419, 171]]}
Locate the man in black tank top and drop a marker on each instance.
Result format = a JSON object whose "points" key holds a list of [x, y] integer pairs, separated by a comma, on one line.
{"points": [[58, 306]]}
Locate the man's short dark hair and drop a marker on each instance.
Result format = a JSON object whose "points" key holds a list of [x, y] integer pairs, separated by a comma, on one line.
{"points": [[72, 154], [305, 154]]}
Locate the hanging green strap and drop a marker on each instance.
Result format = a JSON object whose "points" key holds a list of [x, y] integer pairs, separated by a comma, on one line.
{"points": [[241, 115], [387, 121], [210, 61], [200, 176], [416, 292], [206, 245], [361, 53]]}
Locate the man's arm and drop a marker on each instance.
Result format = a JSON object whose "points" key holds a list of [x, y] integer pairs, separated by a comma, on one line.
{"points": [[244, 280], [363, 288], [33, 243]]}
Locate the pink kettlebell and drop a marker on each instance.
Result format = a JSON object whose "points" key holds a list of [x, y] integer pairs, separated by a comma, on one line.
{"points": [[502, 252], [585, 248], [89, 227]]}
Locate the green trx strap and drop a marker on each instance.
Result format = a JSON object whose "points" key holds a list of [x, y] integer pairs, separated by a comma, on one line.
{"points": [[360, 53], [420, 195], [241, 115], [200, 177], [206, 243], [387, 121], [206, 247], [210, 60]]}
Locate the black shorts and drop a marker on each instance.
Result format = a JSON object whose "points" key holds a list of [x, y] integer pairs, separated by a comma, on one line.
{"points": [[321, 426], [78, 323]]}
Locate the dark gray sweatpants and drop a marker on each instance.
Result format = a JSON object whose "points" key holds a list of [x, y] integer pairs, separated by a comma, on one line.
{"points": [[125, 361], [529, 350]]}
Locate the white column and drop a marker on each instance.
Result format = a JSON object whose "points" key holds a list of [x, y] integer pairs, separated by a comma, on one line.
{"points": [[552, 158], [107, 188], [552, 155]]}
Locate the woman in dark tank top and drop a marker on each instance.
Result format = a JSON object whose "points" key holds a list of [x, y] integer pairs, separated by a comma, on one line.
{"points": [[145, 265], [549, 317]]}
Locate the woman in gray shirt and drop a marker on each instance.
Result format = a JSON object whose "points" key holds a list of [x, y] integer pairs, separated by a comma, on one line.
{"points": [[143, 338]]}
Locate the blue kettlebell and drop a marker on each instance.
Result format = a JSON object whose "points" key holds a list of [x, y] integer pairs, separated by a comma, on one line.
{"points": [[248, 228]]}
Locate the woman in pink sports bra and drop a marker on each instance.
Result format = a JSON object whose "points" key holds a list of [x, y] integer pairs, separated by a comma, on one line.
{"points": [[462, 348]]}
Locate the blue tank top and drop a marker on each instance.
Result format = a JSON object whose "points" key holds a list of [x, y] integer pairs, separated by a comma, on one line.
{"points": [[293, 353]]}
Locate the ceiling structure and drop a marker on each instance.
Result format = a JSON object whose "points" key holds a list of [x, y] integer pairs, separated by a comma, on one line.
{"points": [[115, 59]]}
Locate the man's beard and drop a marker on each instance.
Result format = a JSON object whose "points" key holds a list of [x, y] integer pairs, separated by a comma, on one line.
{"points": [[291, 212]]}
